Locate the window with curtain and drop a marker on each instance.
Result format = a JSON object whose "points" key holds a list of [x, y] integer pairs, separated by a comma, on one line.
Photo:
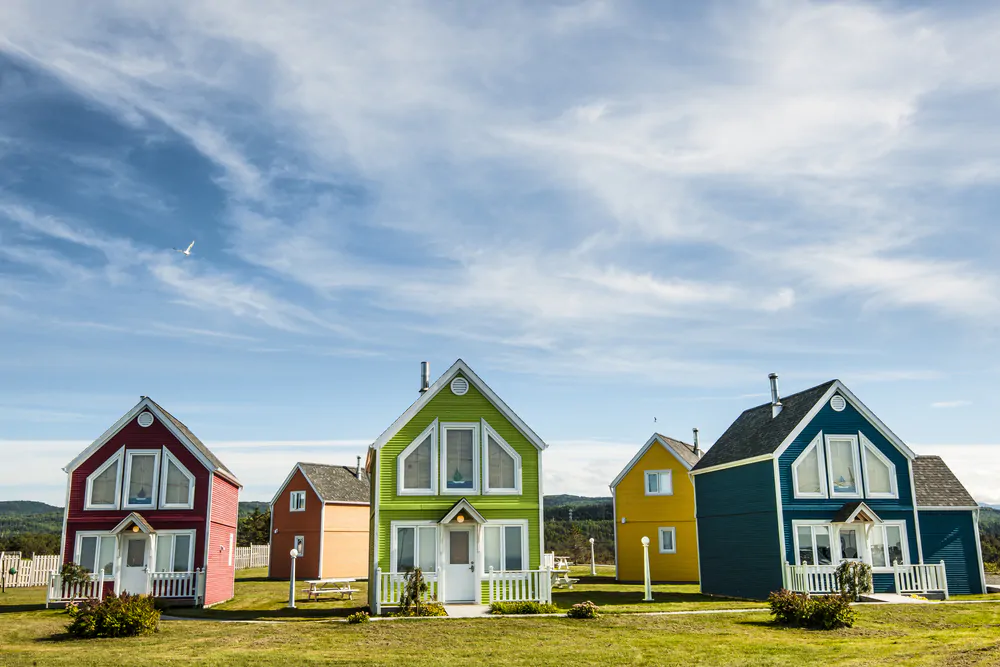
{"points": [[141, 477], [417, 466], [459, 458], [416, 546], [97, 553], [878, 473], [807, 472], [503, 547], [843, 462], [178, 485], [502, 466], [174, 552], [297, 501], [104, 486]]}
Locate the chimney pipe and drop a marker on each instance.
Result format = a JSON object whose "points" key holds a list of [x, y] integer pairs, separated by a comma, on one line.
{"points": [[697, 451], [357, 473], [425, 376], [775, 398]]}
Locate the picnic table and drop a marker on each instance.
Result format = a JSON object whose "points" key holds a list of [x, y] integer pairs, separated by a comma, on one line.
{"points": [[335, 586], [560, 573]]}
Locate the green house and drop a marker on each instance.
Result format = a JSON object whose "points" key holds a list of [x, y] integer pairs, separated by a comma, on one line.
{"points": [[457, 492]]}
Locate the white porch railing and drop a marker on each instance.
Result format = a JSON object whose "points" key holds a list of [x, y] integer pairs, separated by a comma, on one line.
{"points": [[255, 555], [173, 585], [920, 579], [61, 592], [811, 579], [389, 588], [526, 586]]}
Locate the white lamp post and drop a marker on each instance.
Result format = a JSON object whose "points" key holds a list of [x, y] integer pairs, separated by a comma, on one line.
{"points": [[645, 565], [291, 581], [593, 563]]}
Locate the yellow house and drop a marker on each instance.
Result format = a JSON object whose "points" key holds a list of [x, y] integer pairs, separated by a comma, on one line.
{"points": [[654, 497]]}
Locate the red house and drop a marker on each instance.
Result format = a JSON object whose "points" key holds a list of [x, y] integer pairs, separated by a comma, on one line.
{"points": [[151, 510]]}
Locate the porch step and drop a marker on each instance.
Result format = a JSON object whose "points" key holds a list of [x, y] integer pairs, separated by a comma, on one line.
{"points": [[467, 610], [993, 588], [893, 598]]}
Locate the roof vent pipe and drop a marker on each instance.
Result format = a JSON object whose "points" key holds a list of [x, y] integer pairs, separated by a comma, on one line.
{"points": [[357, 473], [775, 398], [425, 376], [697, 451]]}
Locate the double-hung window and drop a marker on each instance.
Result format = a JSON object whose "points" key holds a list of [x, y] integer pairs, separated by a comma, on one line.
{"points": [[177, 489], [96, 552], [297, 501], [415, 466], [812, 545], [141, 475], [502, 472], [175, 551], [668, 540], [104, 485], [505, 547], [888, 544], [415, 546], [659, 483], [459, 458], [843, 469]]}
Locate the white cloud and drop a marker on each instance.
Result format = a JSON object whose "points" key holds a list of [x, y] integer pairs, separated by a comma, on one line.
{"points": [[950, 404]]}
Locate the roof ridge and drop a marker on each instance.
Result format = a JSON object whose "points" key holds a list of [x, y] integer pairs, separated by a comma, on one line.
{"points": [[794, 395]]}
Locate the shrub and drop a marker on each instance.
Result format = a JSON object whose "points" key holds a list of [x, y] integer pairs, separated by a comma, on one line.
{"points": [[426, 609], [115, 616], [73, 574], [359, 617], [583, 610], [826, 612], [522, 608], [854, 579], [411, 597]]}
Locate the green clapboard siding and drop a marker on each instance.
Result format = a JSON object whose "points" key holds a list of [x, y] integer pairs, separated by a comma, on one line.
{"points": [[738, 546], [951, 537]]}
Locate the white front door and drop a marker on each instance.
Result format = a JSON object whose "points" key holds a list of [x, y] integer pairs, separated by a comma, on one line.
{"points": [[852, 542], [460, 564], [135, 558]]}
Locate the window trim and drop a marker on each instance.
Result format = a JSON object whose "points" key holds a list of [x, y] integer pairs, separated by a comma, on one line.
{"points": [[292, 495], [645, 481], [904, 540], [99, 534], [490, 432], [394, 527], [153, 492], [168, 458], [856, 456], [868, 445], [820, 469], [87, 504], [834, 529], [431, 430], [673, 539], [443, 458], [173, 552], [503, 524]]}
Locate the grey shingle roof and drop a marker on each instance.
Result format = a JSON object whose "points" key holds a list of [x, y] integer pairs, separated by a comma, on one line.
{"points": [[755, 432], [337, 483], [199, 445], [937, 486], [684, 450]]}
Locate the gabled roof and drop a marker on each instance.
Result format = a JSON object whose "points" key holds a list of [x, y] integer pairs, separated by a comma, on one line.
{"points": [[682, 451], [133, 519], [442, 382], [855, 511], [333, 484], [756, 434], [174, 425], [463, 506], [937, 486]]}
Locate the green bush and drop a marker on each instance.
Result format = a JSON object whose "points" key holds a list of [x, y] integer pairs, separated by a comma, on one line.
{"points": [[115, 616], [426, 609], [73, 574], [854, 579], [826, 612], [359, 617], [522, 608], [583, 610]]}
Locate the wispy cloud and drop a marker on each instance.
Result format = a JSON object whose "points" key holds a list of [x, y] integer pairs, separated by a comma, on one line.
{"points": [[950, 404]]}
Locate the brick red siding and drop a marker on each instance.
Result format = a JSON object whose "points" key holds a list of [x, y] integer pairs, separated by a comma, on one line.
{"points": [[221, 570], [288, 524]]}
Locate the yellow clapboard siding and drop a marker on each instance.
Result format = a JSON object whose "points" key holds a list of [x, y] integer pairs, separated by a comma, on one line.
{"points": [[644, 515]]}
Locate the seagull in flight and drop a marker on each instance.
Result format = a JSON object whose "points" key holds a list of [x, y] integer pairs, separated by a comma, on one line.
{"points": [[187, 252]]}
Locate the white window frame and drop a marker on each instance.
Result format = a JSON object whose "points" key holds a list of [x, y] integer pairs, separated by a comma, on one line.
{"points": [[432, 432], [503, 525], [645, 481], [820, 469], [153, 492], [868, 445], [903, 538], [443, 457], [490, 432], [170, 458], [78, 549], [394, 527], [834, 540], [87, 504], [673, 539], [291, 501], [295, 545], [859, 483], [173, 552]]}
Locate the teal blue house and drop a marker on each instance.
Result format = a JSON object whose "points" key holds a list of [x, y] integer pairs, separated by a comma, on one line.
{"points": [[800, 484]]}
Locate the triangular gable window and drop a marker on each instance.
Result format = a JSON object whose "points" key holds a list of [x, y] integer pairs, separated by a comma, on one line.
{"points": [[808, 478], [880, 473], [104, 485], [416, 466], [178, 487]]}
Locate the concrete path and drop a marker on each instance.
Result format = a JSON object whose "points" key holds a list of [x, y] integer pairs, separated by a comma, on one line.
{"points": [[893, 598], [467, 610]]}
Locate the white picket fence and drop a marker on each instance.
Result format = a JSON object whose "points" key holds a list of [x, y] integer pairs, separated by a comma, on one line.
{"points": [[529, 585], [922, 579], [34, 571], [255, 555], [812, 579], [389, 588]]}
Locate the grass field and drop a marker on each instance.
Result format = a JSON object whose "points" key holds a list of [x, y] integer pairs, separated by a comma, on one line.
{"points": [[961, 634]]}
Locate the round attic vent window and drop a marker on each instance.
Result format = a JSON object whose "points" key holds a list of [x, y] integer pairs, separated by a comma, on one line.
{"points": [[145, 419], [838, 403], [459, 386]]}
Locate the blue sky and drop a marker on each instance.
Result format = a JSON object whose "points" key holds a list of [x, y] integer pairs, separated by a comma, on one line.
{"points": [[614, 212]]}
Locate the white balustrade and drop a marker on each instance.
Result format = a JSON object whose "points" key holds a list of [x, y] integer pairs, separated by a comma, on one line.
{"points": [[60, 591], [922, 578], [391, 584], [523, 586], [811, 579], [174, 584]]}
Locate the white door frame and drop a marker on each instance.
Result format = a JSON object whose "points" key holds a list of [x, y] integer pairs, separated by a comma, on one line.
{"points": [[475, 551], [123, 540]]}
